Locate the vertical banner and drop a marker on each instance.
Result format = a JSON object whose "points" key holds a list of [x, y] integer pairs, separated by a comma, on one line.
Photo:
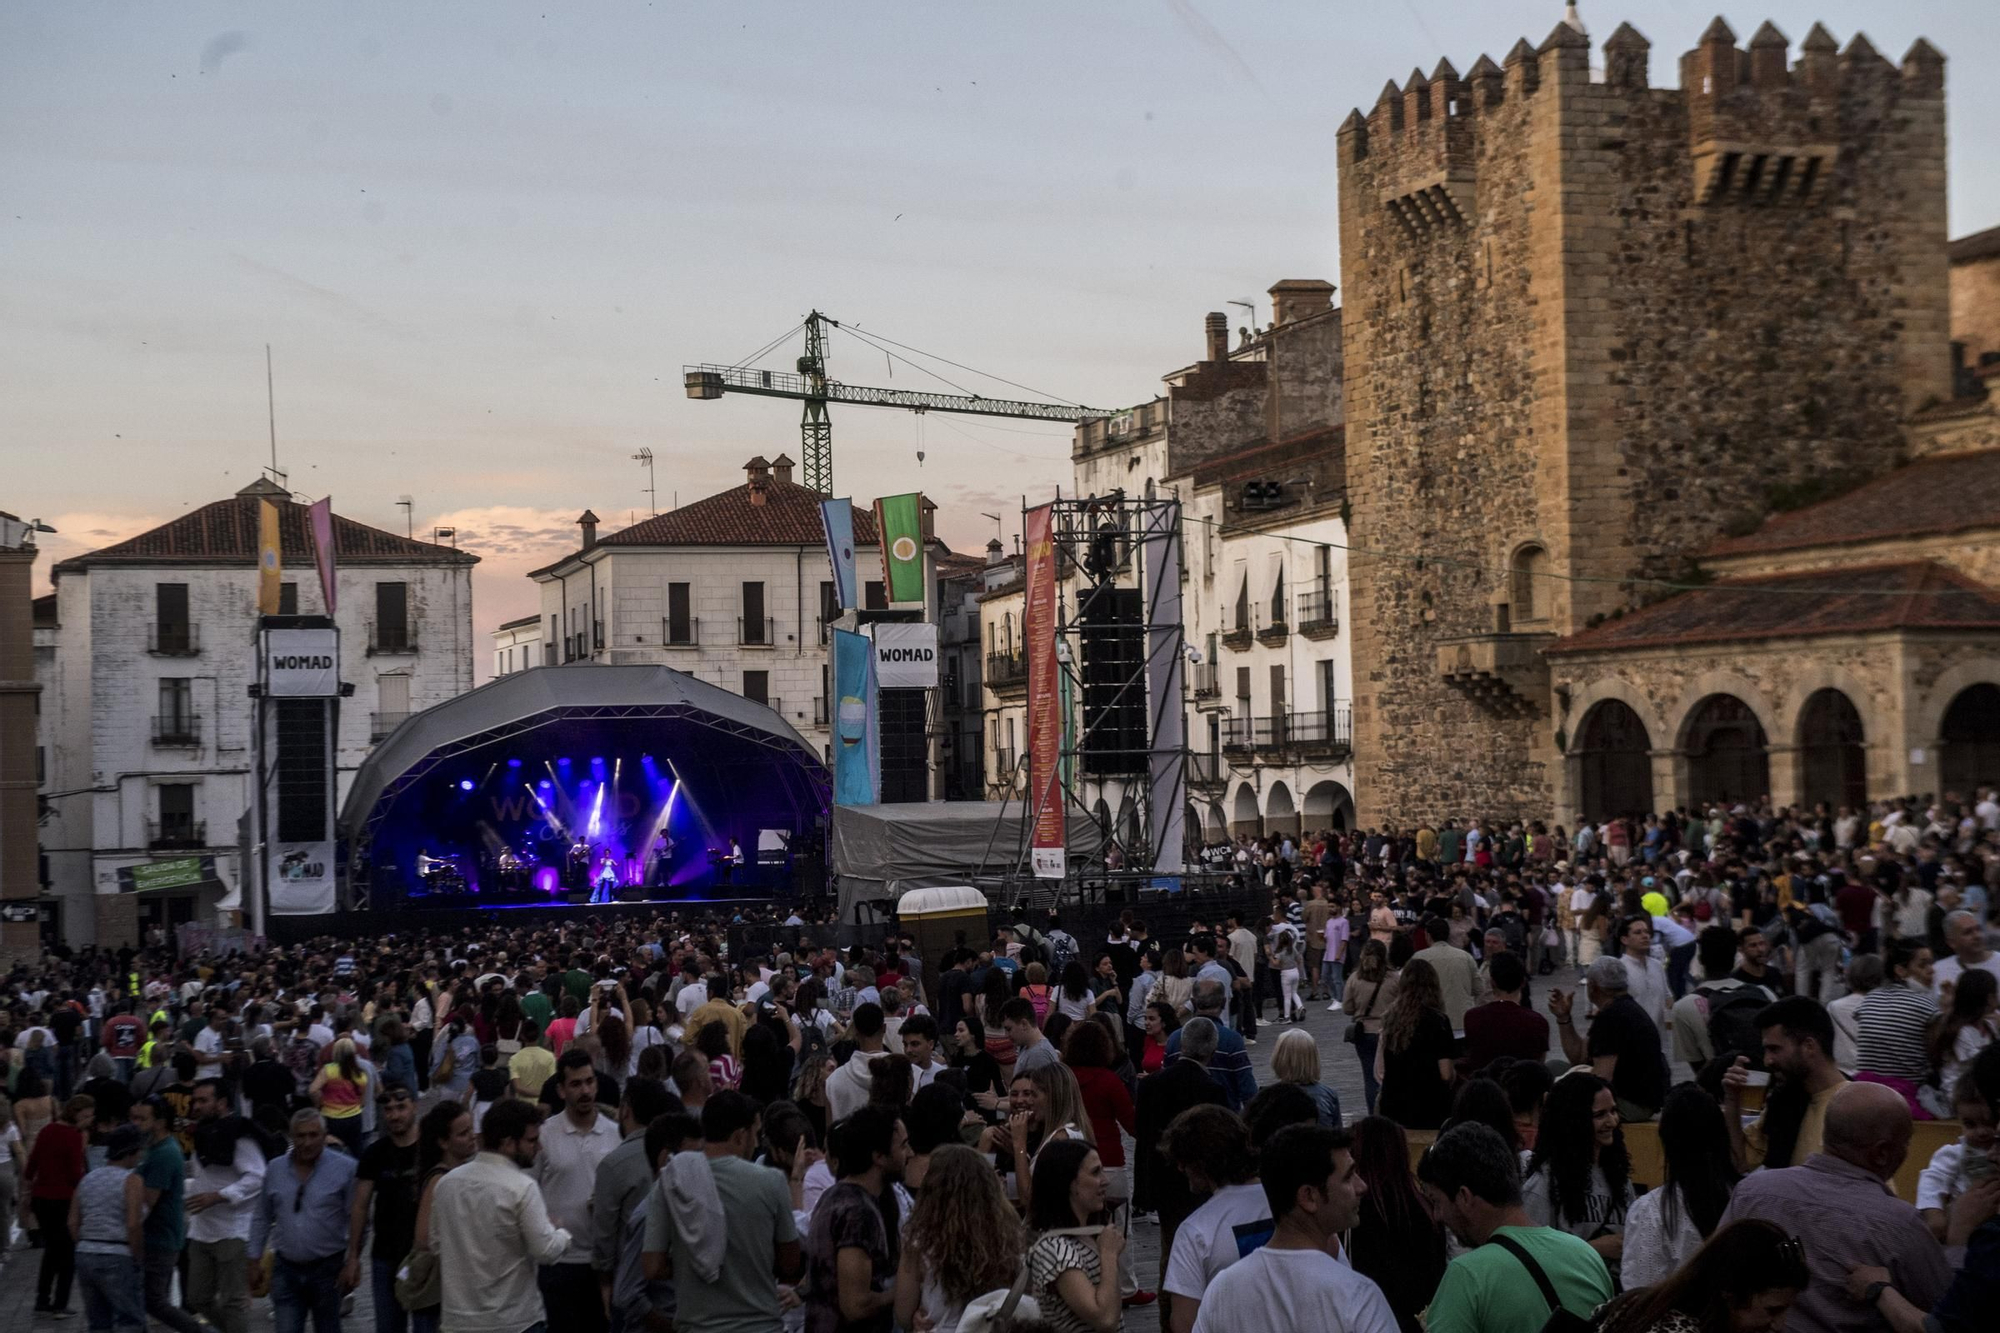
{"points": [[1045, 717], [857, 761], [1166, 747], [270, 572], [320, 519], [900, 518], [837, 518]]}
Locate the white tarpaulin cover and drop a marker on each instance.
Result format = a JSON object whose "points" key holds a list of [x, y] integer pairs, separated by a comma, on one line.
{"points": [[881, 851]]}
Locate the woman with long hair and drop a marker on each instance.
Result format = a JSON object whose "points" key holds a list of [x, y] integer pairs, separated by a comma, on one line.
{"points": [[49, 1178], [713, 1042], [615, 1059], [445, 1142], [1484, 1101], [1161, 1023], [1073, 1000], [767, 1064], [961, 1241], [1743, 1280], [1414, 1062], [1664, 1227], [1578, 1177], [993, 997], [1366, 999], [1295, 1060], [1044, 1104], [1175, 988], [1968, 1028], [1397, 1242], [339, 1089], [646, 1033], [1107, 1108], [1072, 1275], [983, 1079], [810, 1094], [455, 1056]]}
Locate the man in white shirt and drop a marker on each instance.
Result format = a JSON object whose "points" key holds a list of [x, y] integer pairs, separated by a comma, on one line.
{"points": [[1210, 1145], [920, 1039], [693, 993], [221, 1201], [1988, 809], [847, 1087], [1294, 1284], [566, 1169], [491, 1229], [1967, 941], [1648, 977]]}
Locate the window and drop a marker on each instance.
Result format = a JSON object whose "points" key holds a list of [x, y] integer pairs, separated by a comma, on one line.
{"points": [[1242, 689], [1530, 591], [1243, 601], [288, 599], [875, 596], [1277, 690], [753, 626], [1277, 593], [680, 620], [392, 617], [829, 607], [172, 630], [176, 812], [757, 686], [177, 705], [1327, 691]]}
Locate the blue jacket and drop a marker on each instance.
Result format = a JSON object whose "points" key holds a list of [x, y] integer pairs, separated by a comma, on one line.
{"points": [[1230, 1068]]}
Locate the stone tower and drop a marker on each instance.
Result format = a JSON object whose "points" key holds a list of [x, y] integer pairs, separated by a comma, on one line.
{"points": [[1590, 324]]}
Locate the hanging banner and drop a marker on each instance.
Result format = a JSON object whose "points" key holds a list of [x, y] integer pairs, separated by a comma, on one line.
{"points": [[270, 569], [836, 517], [301, 878], [905, 655], [301, 663], [1045, 722], [900, 519], [320, 519], [857, 771]]}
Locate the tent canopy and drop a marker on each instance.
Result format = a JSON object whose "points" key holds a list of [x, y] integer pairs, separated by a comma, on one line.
{"points": [[882, 851]]}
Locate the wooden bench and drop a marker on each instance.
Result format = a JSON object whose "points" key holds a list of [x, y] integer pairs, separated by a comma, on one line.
{"points": [[1642, 1145]]}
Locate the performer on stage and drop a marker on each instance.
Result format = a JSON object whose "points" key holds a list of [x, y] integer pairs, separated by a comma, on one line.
{"points": [[607, 880], [426, 863], [579, 864], [659, 863]]}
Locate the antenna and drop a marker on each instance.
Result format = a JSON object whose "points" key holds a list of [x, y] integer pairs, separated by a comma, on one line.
{"points": [[1250, 308], [645, 456], [996, 524], [271, 409], [405, 503]]}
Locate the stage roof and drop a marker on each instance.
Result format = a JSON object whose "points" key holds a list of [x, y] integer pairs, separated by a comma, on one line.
{"points": [[520, 703]]}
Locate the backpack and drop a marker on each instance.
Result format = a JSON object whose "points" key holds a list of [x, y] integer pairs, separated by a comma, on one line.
{"points": [[1062, 948], [1732, 1024], [1561, 1318]]}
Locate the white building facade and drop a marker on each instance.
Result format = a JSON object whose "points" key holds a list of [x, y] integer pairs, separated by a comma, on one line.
{"points": [[517, 645], [146, 663]]}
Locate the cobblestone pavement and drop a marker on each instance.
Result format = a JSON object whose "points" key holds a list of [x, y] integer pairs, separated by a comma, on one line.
{"points": [[1338, 1069]]}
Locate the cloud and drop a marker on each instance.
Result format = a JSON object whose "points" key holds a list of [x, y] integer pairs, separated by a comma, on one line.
{"points": [[509, 540], [80, 532]]}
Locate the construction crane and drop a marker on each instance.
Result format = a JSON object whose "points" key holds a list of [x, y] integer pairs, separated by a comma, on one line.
{"points": [[811, 385]]}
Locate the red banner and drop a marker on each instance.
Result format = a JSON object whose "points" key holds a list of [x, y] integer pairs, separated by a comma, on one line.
{"points": [[1045, 717]]}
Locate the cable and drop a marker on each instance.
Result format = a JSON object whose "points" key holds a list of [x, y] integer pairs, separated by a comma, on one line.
{"points": [[921, 370], [766, 348], [973, 370], [1039, 458]]}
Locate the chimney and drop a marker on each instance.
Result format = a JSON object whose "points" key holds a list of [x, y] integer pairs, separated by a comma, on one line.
{"points": [[781, 468], [1217, 326], [1298, 298], [757, 473], [996, 553], [588, 522]]}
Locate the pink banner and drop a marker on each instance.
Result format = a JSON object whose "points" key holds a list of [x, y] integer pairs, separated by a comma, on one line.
{"points": [[320, 518], [1045, 714]]}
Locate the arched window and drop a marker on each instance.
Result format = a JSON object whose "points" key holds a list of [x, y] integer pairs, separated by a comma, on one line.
{"points": [[1530, 591]]}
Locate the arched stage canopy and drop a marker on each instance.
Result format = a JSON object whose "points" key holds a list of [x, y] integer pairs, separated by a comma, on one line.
{"points": [[531, 758]]}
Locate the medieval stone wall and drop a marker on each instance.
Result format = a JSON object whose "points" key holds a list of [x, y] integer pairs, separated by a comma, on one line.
{"points": [[1610, 320]]}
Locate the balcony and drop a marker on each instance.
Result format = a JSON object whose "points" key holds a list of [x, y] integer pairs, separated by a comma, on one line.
{"points": [[1004, 762], [1207, 771], [1505, 674], [381, 724], [1236, 734], [680, 633], [1207, 681], [1319, 614], [756, 632], [391, 640], [1272, 628], [174, 640], [171, 834], [1006, 671], [1238, 640], [177, 729], [1325, 734]]}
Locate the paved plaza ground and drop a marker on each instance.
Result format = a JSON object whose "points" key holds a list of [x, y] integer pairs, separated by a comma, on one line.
{"points": [[1338, 1069]]}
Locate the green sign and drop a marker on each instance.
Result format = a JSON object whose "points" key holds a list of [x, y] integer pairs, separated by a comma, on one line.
{"points": [[184, 872]]}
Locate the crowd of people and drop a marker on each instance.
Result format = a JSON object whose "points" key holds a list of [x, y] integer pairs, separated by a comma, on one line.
{"points": [[620, 1123]]}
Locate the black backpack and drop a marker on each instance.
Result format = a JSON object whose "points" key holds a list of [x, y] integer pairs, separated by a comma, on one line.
{"points": [[1561, 1318], [1732, 1024]]}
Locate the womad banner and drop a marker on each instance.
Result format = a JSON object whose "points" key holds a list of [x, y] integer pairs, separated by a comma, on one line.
{"points": [[1045, 717], [857, 772]]}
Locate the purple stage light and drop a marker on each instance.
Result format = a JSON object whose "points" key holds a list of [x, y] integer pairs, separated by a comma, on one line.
{"points": [[513, 763], [549, 880]]}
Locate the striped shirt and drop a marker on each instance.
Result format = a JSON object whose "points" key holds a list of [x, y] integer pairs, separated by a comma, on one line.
{"points": [[1890, 1027]]}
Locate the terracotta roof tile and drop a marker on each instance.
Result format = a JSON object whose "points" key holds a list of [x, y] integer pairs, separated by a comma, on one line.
{"points": [[226, 533], [1947, 493], [789, 516], [1979, 245], [1918, 594]]}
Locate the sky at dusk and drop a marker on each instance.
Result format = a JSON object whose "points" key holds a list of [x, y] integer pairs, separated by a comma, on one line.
{"points": [[483, 238]]}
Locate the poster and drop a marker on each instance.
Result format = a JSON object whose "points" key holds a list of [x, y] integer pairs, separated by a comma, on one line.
{"points": [[857, 771], [301, 663], [905, 655], [1048, 853], [301, 878]]}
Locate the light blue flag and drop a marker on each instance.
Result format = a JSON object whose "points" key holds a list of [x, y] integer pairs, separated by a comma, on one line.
{"points": [[857, 764], [837, 517]]}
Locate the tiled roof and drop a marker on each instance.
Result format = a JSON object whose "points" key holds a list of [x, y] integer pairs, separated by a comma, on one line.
{"points": [[1979, 245], [789, 516], [1918, 594], [1946, 493], [225, 533]]}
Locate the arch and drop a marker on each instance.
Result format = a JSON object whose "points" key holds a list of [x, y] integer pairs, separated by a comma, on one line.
{"points": [[1102, 814], [1927, 719], [1128, 822], [1528, 588], [1328, 805], [1244, 816], [1969, 741], [1214, 824], [1281, 812], [1833, 763], [1727, 751], [1612, 762]]}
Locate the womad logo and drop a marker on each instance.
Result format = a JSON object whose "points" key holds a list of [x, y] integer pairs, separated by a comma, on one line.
{"points": [[299, 866], [302, 662]]}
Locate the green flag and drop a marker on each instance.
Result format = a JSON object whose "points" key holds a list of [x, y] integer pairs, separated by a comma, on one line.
{"points": [[901, 520]]}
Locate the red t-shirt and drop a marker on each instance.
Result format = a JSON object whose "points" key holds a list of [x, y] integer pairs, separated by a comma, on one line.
{"points": [[57, 1163], [1108, 1105], [124, 1035]]}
